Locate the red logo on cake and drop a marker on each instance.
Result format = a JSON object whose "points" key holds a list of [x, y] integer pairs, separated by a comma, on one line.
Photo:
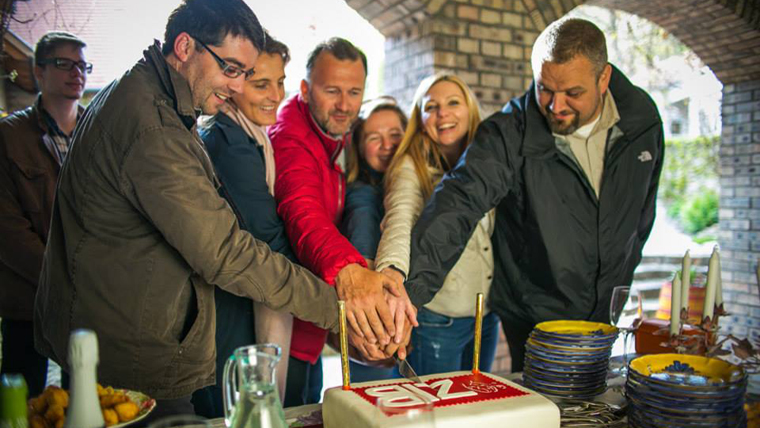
{"points": [[451, 391]]}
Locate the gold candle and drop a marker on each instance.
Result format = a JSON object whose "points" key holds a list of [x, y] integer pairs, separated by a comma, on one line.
{"points": [[344, 345], [478, 332]]}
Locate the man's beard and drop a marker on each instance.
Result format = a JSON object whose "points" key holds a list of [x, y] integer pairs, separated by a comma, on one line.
{"points": [[324, 124], [563, 128]]}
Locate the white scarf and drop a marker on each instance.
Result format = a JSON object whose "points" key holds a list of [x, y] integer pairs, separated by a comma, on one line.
{"points": [[257, 133]]}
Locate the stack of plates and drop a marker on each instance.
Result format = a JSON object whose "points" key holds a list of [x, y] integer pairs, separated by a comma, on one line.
{"points": [[672, 390], [569, 359]]}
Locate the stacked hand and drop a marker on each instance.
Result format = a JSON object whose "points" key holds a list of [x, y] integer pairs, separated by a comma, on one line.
{"points": [[378, 310]]}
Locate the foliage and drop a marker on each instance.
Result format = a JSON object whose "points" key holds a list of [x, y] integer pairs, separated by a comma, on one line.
{"points": [[700, 212], [689, 175], [702, 239], [689, 166]]}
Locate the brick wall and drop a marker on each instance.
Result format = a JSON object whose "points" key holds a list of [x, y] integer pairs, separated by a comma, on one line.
{"points": [[409, 58], [740, 207], [485, 42]]}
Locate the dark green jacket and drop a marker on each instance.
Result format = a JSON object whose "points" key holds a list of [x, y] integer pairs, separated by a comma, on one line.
{"points": [[559, 250], [140, 236]]}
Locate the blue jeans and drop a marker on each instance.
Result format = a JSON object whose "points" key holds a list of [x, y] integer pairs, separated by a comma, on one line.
{"points": [[443, 344]]}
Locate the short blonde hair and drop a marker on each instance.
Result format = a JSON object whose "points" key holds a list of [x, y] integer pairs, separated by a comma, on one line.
{"points": [[417, 145]]}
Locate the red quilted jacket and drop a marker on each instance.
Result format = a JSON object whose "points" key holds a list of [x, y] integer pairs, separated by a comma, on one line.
{"points": [[310, 191]]}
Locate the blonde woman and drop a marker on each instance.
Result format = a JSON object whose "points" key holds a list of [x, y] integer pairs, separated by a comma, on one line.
{"points": [[442, 123]]}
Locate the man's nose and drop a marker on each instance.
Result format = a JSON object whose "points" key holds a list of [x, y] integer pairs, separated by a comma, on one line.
{"points": [[77, 71], [342, 103], [558, 103], [236, 84]]}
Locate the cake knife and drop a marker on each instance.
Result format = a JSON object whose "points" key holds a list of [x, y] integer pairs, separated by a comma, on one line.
{"points": [[406, 370]]}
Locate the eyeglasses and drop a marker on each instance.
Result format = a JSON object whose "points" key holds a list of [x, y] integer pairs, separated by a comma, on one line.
{"points": [[229, 70], [66, 64]]}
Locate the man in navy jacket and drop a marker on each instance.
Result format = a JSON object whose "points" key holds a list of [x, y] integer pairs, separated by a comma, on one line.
{"points": [[572, 167]]}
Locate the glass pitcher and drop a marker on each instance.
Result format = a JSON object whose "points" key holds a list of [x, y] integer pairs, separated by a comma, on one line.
{"points": [[250, 392]]}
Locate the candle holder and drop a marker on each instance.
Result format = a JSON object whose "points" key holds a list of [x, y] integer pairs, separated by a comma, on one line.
{"points": [[705, 341], [693, 339]]}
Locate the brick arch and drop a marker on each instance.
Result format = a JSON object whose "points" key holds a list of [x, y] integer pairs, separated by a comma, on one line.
{"points": [[725, 34]]}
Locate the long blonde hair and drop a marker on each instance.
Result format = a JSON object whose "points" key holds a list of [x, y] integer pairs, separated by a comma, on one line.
{"points": [[418, 146]]}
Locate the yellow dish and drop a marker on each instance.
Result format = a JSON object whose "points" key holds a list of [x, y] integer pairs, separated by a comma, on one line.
{"points": [[690, 370], [582, 328]]}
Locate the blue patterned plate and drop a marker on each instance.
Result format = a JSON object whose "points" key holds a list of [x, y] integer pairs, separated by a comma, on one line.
{"points": [[687, 371]]}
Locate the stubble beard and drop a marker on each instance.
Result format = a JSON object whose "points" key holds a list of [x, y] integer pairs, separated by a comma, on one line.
{"points": [[561, 128], [324, 122]]}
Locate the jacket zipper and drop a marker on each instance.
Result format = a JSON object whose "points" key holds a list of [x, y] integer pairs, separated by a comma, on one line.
{"points": [[333, 159], [581, 176], [340, 194]]}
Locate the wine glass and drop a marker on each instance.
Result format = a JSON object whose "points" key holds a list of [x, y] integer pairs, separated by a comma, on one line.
{"points": [[181, 421], [625, 307], [413, 409]]}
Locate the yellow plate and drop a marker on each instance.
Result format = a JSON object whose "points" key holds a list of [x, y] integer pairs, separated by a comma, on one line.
{"points": [[690, 370], [582, 328]]}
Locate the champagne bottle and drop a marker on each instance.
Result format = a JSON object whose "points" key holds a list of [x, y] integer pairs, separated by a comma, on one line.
{"points": [[84, 406]]}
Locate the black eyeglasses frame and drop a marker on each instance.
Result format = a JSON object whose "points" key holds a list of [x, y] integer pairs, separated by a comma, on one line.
{"points": [[229, 70], [67, 64]]}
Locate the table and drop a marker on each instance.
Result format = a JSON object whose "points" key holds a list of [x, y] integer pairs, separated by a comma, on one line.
{"points": [[291, 414]]}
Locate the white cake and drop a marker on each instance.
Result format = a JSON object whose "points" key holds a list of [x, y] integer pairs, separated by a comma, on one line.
{"points": [[461, 399]]}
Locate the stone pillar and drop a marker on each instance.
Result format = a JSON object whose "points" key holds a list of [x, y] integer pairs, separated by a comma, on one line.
{"points": [[740, 208]]}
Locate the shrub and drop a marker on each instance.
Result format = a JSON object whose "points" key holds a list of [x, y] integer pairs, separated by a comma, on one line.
{"points": [[700, 212], [691, 167]]}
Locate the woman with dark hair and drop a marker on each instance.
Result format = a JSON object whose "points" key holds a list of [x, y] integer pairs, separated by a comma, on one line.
{"points": [[242, 155], [375, 137]]}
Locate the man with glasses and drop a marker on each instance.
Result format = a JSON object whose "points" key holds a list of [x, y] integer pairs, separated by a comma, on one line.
{"points": [[140, 235], [33, 144]]}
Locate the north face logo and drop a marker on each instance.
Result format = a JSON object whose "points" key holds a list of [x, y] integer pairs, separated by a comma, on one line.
{"points": [[645, 156]]}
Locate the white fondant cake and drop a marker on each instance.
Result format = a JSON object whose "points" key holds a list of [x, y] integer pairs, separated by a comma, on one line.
{"points": [[461, 399]]}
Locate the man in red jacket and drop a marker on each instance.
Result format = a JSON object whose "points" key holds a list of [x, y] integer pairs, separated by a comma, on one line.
{"points": [[310, 133]]}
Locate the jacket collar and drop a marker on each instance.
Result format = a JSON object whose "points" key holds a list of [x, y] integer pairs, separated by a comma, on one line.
{"points": [[296, 110], [332, 145], [636, 110], [175, 85], [538, 141], [39, 114], [40, 117]]}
